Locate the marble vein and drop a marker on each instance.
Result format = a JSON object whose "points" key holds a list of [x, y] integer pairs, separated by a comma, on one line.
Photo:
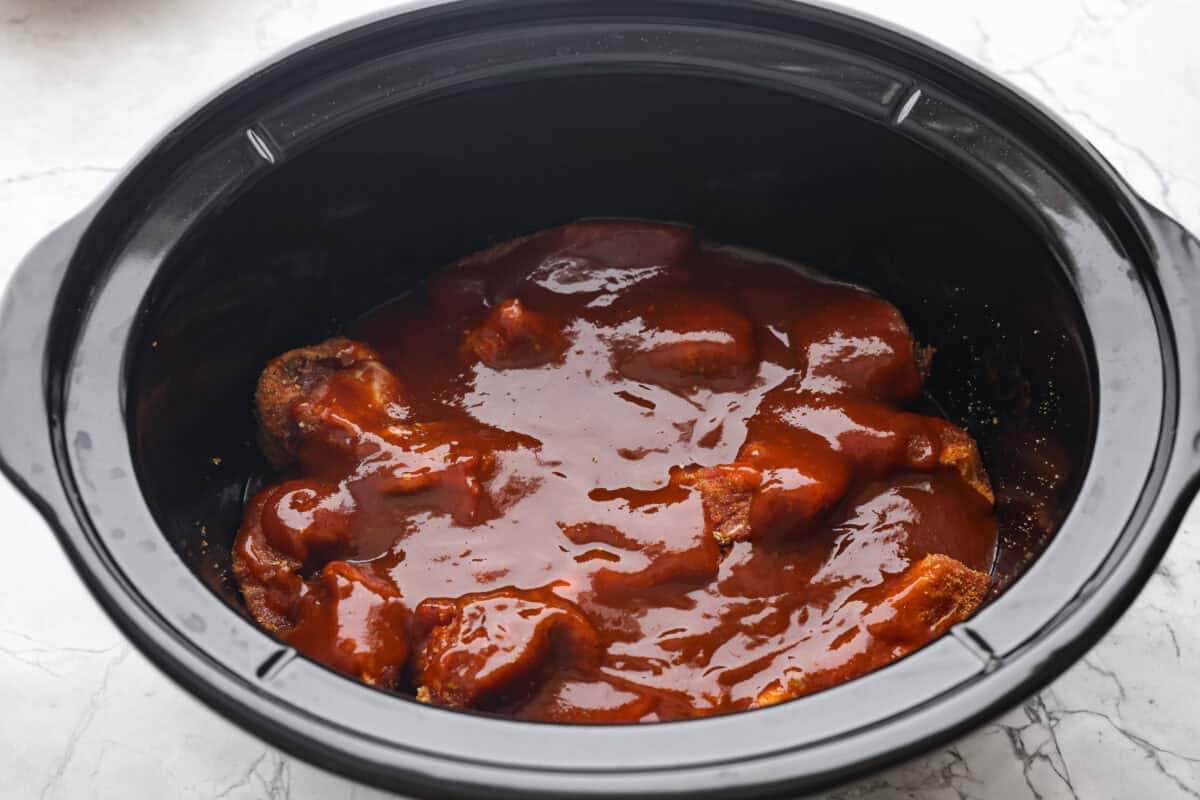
{"points": [[24, 177], [85, 720]]}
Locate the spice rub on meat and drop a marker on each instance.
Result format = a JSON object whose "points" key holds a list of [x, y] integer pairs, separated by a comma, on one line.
{"points": [[609, 472], [317, 391], [480, 651]]}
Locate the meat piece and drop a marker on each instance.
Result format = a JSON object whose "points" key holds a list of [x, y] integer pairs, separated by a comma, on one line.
{"points": [[588, 701], [303, 517], [802, 479], [904, 615], [269, 578], [627, 244], [848, 340], [667, 572], [666, 552], [283, 528], [957, 450], [354, 622], [603, 258], [902, 518], [486, 650], [931, 442], [325, 387], [691, 339], [454, 484], [772, 488], [933, 594], [788, 687], [588, 260], [513, 337], [727, 491], [445, 466], [873, 438]]}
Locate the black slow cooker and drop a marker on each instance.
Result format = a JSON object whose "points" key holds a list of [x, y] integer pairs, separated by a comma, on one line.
{"points": [[337, 175]]}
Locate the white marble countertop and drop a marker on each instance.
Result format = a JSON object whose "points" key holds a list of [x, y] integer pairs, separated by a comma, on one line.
{"points": [[84, 83]]}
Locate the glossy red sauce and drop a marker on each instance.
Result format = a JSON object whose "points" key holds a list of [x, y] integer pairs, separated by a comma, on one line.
{"points": [[612, 473]]}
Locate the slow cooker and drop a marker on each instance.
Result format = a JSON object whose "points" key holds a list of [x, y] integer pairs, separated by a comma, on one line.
{"points": [[337, 175]]}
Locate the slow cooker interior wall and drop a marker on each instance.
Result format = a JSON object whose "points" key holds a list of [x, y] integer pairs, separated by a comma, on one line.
{"points": [[363, 216]]}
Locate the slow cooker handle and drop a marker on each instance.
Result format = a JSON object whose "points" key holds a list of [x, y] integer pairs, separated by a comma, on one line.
{"points": [[1179, 273], [26, 454]]}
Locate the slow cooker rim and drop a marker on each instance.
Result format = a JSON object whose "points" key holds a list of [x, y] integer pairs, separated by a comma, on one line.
{"points": [[486, 4], [192, 683]]}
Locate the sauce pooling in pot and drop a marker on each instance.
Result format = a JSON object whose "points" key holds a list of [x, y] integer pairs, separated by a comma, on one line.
{"points": [[611, 473]]}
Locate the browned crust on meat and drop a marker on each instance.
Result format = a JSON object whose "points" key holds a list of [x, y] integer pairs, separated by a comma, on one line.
{"points": [[565, 633], [933, 595], [782, 690], [290, 378], [950, 591], [727, 492], [960, 452], [273, 564]]}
